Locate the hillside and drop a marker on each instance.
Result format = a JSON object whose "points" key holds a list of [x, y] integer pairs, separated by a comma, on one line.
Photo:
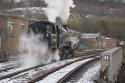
{"points": [[83, 7], [97, 8]]}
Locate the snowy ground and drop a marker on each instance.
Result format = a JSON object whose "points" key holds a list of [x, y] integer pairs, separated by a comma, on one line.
{"points": [[53, 78], [25, 76], [91, 74], [7, 65]]}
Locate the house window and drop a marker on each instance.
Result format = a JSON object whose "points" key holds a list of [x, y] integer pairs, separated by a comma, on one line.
{"points": [[22, 27], [11, 26]]}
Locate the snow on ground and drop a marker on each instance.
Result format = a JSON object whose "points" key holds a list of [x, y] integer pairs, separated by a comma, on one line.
{"points": [[53, 78], [7, 63], [12, 71], [25, 76], [10, 64], [90, 75]]}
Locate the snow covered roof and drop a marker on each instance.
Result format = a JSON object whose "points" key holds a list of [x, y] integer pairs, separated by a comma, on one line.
{"points": [[31, 9], [107, 38], [90, 35], [71, 30], [13, 16]]}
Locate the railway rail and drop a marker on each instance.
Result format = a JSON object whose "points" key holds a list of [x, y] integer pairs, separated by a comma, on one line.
{"points": [[40, 77], [61, 75], [4, 67], [9, 67], [87, 73], [25, 75], [12, 63], [35, 73], [9, 63], [7, 59]]}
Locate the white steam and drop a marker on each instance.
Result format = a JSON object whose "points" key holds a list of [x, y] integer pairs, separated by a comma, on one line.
{"points": [[16, 1], [34, 51], [58, 8]]}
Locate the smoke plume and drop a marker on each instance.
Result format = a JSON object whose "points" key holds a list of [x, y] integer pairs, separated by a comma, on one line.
{"points": [[34, 51], [58, 8]]}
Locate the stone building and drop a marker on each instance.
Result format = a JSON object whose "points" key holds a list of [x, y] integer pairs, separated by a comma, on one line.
{"points": [[92, 40], [109, 43], [11, 27]]}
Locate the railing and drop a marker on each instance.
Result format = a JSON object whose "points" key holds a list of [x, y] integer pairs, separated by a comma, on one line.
{"points": [[111, 62]]}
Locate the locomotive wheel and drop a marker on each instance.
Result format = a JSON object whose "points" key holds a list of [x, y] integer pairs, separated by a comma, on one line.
{"points": [[67, 52]]}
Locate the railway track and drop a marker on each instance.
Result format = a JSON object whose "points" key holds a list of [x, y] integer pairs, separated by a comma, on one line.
{"points": [[23, 76], [9, 67], [33, 74], [5, 67], [61, 75], [42, 76], [87, 73], [9, 63], [7, 59]]}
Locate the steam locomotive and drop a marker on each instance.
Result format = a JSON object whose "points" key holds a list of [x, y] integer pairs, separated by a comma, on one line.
{"points": [[57, 37]]}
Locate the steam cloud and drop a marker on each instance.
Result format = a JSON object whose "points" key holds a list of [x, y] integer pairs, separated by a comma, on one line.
{"points": [[33, 51], [58, 8]]}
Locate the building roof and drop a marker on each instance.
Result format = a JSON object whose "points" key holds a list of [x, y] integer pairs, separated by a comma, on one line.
{"points": [[90, 35], [31, 9], [71, 30], [12, 16]]}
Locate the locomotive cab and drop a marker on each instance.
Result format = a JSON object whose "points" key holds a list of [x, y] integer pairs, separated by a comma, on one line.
{"points": [[49, 31]]}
